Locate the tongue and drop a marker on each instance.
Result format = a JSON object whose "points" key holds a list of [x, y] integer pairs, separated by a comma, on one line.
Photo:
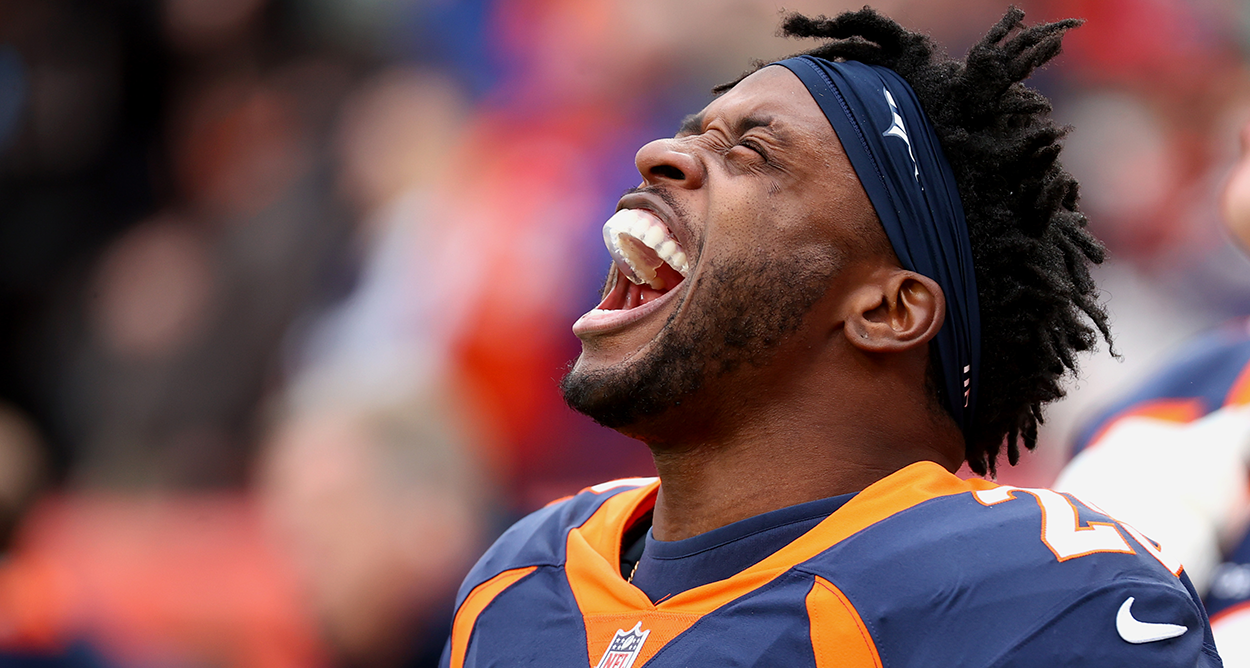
{"points": [[669, 276], [637, 295]]}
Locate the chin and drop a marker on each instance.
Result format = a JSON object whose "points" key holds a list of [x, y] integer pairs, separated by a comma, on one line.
{"points": [[625, 398]]}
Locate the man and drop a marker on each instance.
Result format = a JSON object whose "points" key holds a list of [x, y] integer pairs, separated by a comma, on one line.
{"points": [[1173, 455], [849, 274]]}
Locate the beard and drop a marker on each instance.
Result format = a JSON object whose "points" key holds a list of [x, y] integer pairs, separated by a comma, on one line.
{"points": [[748, 307]]}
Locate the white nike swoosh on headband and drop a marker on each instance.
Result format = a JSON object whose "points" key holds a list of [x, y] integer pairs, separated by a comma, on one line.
{"points": [[1138, 632]]}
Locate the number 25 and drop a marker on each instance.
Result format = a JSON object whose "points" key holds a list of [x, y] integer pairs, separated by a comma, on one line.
{"points": [[1062, 531]]}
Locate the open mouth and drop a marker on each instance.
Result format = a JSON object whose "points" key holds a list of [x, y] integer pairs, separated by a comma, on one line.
{"points": [[647, 265], [641, 246]]}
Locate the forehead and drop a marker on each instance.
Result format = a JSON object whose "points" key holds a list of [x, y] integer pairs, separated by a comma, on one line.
{"points": [[774, 95]]}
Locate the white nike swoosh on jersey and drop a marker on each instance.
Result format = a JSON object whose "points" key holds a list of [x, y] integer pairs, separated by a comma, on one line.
{"points": [[1138, 632]]}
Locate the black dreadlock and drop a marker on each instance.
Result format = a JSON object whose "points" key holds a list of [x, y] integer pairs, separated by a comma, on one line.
{"points": [[1029, 243]]}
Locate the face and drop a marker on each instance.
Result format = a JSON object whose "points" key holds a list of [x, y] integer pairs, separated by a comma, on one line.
{"points": [[1235, 201], [758, 195]]}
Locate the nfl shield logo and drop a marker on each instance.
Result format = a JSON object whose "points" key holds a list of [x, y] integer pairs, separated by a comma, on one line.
{"points": [[624, 648]]}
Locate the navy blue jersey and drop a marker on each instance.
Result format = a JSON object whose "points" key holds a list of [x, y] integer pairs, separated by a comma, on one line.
{"points": [[666, 568], [919, 569]]}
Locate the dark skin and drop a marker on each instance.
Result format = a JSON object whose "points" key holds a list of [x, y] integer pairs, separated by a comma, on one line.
{"points": [[837, 404]]}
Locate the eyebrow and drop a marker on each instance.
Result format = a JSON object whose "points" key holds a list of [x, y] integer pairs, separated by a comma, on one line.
{"points": [[745, 123], [693, 124]]}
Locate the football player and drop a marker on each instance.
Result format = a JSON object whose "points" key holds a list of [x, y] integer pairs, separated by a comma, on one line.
{"points": [[850, 273], [1171, 456]]}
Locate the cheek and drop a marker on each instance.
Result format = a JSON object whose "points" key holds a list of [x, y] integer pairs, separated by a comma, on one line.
{"points": [[744, 217], [787, 210], [1235, 202]]}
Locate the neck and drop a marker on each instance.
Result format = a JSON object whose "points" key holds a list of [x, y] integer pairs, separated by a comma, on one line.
{"points": [[782, 460]]}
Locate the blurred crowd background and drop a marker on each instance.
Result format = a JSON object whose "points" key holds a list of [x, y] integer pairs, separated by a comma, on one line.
{"points": [[286, 285]]}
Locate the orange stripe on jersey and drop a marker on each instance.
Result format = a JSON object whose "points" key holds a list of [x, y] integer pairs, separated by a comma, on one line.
{"points": [[1170, 410], [603, 531], [474, 604], [609, 603], [839, 637], [1239, 394]]}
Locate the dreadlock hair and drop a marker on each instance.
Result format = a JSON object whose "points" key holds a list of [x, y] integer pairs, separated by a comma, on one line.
{"points": [[1029, 243]]}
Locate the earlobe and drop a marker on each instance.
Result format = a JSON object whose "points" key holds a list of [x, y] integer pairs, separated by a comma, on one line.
{"points": [[900, 311]]}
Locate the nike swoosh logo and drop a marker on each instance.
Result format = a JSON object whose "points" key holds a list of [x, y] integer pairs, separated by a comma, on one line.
{"points": [[1138, 632]]}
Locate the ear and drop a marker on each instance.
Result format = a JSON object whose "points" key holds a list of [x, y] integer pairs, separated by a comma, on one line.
{"points": [[896, 311]]}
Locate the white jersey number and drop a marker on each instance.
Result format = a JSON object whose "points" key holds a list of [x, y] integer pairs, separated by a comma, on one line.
{"points": [[1062, 531]]}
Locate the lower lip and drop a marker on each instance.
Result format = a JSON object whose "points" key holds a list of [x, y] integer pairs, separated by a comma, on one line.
{"points": [[598, 321]]}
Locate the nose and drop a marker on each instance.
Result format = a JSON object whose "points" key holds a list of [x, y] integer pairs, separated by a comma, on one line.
{"points": [[665, 161]]}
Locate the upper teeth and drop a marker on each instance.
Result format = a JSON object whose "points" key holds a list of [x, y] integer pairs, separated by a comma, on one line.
{"points": [[639, 242]]}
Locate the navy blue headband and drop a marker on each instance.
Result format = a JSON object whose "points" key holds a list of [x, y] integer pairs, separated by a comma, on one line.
{"points": [[900, 163]]}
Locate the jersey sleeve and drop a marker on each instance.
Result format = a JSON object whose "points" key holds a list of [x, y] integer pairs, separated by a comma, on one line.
{"points": [[1138, 623]]}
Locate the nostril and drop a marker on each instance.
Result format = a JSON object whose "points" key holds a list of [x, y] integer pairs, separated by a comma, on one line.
{"points": [[670, 161], [668, 172]]}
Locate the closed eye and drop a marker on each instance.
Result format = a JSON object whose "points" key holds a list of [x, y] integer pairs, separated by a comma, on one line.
{"points": [[753, 145]]}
